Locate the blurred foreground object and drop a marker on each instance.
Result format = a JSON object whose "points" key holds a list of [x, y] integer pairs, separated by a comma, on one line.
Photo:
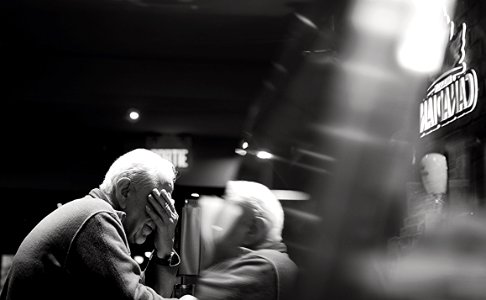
{"points": [[448, 262], [369, 126], [245, 255]]}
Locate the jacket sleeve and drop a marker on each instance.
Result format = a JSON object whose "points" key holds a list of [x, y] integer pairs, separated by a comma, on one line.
{"points": [[250, 278], [161, 278], [99, 255]]}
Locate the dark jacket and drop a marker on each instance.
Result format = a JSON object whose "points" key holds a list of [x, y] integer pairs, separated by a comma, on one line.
{"points": [[79, 251], [266, 274]]}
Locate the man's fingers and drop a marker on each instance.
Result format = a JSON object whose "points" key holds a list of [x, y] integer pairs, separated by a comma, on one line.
{"points": [[157, 205], [163, 211], [165, 201], [162, 196], [160, 221], [168, 199], [154, 216]]}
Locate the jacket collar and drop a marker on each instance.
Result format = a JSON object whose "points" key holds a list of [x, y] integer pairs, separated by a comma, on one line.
{"points": [[97, 193]]}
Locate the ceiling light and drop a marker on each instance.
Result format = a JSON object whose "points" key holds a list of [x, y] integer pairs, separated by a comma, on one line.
{"points": [[264, 155], [240, 152], [134, 115], [306, 21], [195, 195], [423, 44], [290, 195]]}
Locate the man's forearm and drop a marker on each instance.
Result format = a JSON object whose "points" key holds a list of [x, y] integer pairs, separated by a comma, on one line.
{"points": [[162, 278]]}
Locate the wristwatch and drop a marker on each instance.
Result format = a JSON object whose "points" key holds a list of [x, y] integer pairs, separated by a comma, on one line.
{"points": [[171, 260]]}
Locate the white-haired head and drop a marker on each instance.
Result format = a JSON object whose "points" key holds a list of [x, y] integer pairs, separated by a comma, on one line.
{"points": [[262, 202], [141, 166]]}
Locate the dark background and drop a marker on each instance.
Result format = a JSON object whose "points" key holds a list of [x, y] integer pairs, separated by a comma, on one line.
{"points": [[201, 70]]}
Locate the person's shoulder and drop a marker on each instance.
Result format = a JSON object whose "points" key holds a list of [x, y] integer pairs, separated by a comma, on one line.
{"points": [[90, 203], [274, 256], [267, 259], [280, 261], [285, 270], [85, 207]]}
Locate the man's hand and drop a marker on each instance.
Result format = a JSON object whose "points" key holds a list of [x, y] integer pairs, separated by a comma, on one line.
{"points": [[162, 211]]}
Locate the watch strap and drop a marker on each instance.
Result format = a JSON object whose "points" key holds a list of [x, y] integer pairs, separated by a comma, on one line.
{"points": [[172, 260]]}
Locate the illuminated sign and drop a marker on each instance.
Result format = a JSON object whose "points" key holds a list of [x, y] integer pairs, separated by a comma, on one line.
{"points": [[454, 94], [178, 157]]}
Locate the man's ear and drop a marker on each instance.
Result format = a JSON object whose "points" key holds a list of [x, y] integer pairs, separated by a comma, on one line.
{"points": [[122, 188], [257, 233]]}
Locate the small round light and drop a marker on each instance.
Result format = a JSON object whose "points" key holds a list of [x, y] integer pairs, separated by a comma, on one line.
{"points": [[148, 254], [244, 145], [195, 195], [134, 115]]}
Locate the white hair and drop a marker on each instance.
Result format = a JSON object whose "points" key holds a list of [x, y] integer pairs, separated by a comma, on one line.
{"points": [[141, 166], [263, 203]]}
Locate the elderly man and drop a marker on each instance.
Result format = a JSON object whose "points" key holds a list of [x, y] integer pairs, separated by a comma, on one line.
{"points": [[81, 250], [247, 258]]}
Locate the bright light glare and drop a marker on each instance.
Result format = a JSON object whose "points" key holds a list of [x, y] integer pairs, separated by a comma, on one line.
{"points": [[240, 152], [244, 145], [195, 195], [369, 69], [306, 21], [381, 17], [423, 43], [134, 115], [148, 254], [290, 195], [139, 259], [264, 155]]}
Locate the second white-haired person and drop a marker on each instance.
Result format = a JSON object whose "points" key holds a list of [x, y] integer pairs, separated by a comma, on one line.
{"points": [[248, 259]]}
